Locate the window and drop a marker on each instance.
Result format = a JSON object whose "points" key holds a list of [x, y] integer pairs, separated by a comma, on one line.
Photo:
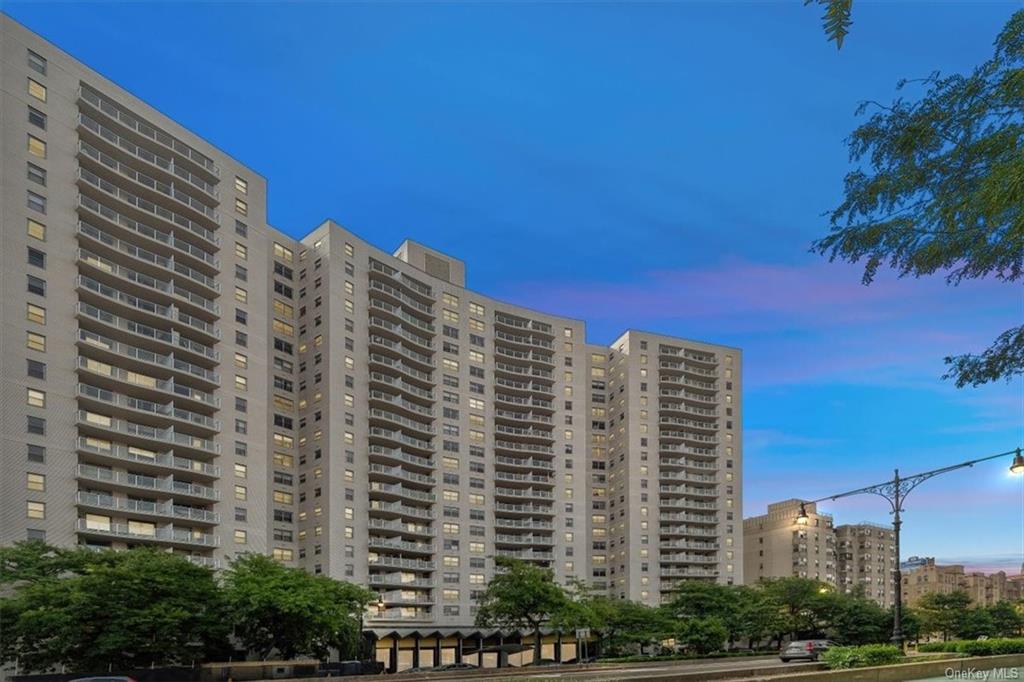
{"points": [[283, 253], [36, 202], [36, 174], [241, 251], [241, 383], [241, 185], [241, 207], [36, 286], [35, 482], [36, 453], [36, 230], [36, 258], [37, 62], [37, 90], [37, 118], [36, 147], [34, 313], [35, 342], [240, 492], [240, 537], [282, 554], [36, 426], [241, 295], [240, 470], [35, 510], [35, 398], [36, 369]]}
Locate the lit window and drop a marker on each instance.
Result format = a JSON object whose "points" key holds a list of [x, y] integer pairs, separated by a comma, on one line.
{"points": [[36, 230], [240, 537], [241, 207], [476, 309], [241, 185], [282, 554], [34, 313], [241, 361], [241, 493], [36, 147], [241, 470], [241, 383], [37, 90], [36, 342], [35, 510], [36, 482], [241, 251], [283, 253], [36, 398], [241, 295]]}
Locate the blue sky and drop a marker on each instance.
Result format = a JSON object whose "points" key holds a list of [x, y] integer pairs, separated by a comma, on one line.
{"points": [[661, 166]]}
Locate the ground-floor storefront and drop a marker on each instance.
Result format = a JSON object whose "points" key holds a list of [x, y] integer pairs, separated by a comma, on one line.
{"points": [[404, 648]]}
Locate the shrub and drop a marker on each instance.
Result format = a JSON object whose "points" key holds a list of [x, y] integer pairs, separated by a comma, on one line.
{"points": [[972, 647], [844, 657]]}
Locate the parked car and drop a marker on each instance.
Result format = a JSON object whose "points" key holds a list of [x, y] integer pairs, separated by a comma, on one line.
{"points": [[805, 649], [451, 667]]}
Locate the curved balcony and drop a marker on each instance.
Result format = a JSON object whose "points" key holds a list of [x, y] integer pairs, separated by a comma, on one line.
{"points": [[523, 524], [527, 539], [526, 554], [688, 518], [162, 535], [168, 487], [154, 262], [147, 434], [410, 390], [399, 456], [395, 491], [91, 181], [155, 238], [115, 114], [528, 357], [401, 439], [397, 509], [391, 544], [523, 463], [156, 190], [521, 417], [398, 297], [109, 377], [400, 368], [412, 286], [523, 340], [400, 315], [398, 580], [527, 509], [154, 161], [403, 423], [520, 324], [395, 348], [525, 386], [397, 562], [523, 447], [531, 402], [145, 360], [384, 527], [139, 332], [386, 327], [526, 434], [528, 479], [145, 509], [146, 461], [137, 407], [686, 558], [678, 530]]}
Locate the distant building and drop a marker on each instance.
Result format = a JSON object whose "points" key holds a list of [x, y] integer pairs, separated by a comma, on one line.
{"points": [[866, 558], [775, 545], [983, 589], [914, 562]]}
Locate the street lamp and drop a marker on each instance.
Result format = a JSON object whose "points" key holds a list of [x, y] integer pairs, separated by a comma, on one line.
{"points": [[895, 493], [1018, 463]]}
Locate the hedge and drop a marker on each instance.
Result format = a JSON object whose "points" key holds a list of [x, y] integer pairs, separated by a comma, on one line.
{"points": [[977, 647], [843, 657]]}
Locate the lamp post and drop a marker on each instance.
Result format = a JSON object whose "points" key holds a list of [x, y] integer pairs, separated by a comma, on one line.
{"points": [[895, 492]]}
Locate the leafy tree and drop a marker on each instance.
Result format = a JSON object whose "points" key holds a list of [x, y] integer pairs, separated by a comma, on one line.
{"points": [[944, 613], [275, 608], [975, 623], [836, 20], [859, 620], [520, 597], [696, 599], [760, 617], [910, 623], [88, 611], [701, 635], [1006, 620], [941, 189], [807, 606]]}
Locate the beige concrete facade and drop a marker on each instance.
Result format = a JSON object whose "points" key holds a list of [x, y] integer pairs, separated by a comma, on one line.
{"points": [[983, 589], [866, 559], [777, 546], [178, 373]]}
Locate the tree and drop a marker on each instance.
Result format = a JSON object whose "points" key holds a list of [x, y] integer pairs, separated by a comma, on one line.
{"points": [[624, 624], [1006, 620], [275, 608], [520, 597], [759, 617], [975, 623], [836, 20], [859, 620], [90, 610], [944, 613], [942, 190], [701, 635], [807, 606]]}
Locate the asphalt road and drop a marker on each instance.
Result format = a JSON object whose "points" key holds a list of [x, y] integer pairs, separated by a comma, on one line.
{"points": [[630, 671]]}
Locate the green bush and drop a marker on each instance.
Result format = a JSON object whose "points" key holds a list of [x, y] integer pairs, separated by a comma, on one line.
{"points": [[973, 647], [844, 657]]}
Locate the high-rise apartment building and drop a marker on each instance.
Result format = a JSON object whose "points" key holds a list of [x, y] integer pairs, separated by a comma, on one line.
{"points": [[777, 545], [866, 557], [178, 373]]}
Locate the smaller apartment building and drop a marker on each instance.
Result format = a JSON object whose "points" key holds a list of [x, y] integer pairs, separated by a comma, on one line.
{"points": [[983, 589], [777, 546]]}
